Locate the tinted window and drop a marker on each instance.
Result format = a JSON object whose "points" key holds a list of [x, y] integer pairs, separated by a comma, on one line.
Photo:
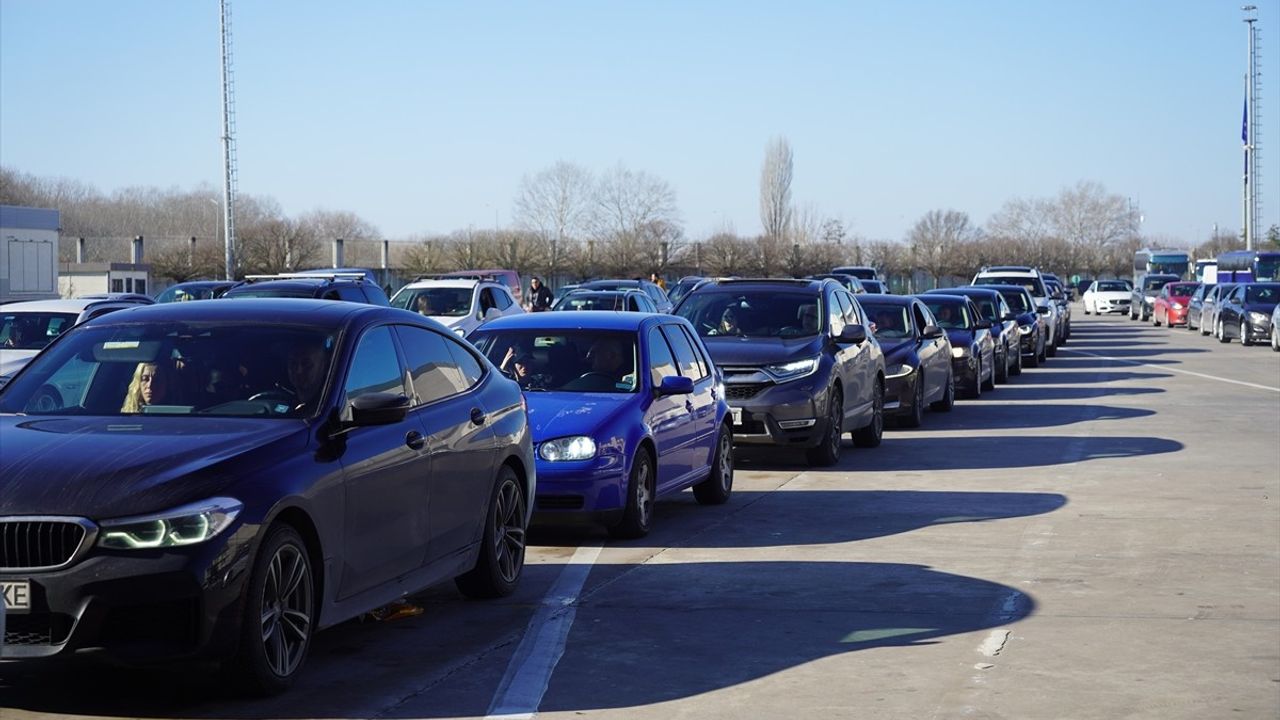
{"points": [[835, 315], [432, 367], [756, 313], [568, 360], [922, 316], [846, 308], [502, 298], [685, 357], [467, 363], [375, 366], [891, 321], [949, 315], [486, 299], [663, 365], [1261, 293], [698, 352], [32, 331]]}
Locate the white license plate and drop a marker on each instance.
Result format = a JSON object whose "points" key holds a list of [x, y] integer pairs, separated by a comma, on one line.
{"points": [[17, 594], [737, 415]]}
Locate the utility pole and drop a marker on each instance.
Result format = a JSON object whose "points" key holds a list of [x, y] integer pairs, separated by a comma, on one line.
{"points": [[1249, 133], [228, 142]]}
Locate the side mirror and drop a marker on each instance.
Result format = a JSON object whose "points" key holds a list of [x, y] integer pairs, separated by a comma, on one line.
{"points": [[852, 335], [1008, 316], [932, 332], [491, 313], [379, 408], [675, 385], [1043, 309], [983, 325]]}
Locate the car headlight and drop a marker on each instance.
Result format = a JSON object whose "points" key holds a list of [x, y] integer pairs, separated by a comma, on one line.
{"points": [[1149, 301], [186, 525], [794, 369], [898, 370], [959, 352], [1025, 329], [575, 447], [1258, 318], [1176, 305]]}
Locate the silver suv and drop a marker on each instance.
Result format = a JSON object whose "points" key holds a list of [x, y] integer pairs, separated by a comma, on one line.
{"points": [[1029, 278]]}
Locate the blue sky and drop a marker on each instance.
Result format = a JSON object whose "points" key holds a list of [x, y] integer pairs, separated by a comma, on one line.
{"points": [[423, 116]]}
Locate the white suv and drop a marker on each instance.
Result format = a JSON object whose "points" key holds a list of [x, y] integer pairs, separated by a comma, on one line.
{"points": [[461, 304], [1029, 278]]}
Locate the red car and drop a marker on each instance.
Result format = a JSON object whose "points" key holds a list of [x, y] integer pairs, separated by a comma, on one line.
{"points": [[1171, 304]]}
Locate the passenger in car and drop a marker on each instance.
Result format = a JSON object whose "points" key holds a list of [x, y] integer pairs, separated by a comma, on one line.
{"points": [[605, 357], [728, 323], [149, 386], [424, 306], [306, 366]]}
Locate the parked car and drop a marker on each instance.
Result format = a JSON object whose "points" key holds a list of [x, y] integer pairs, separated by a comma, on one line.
{"points": [[622, 300], [1209, 308], [1031, 319], [682, 287], [1275, 329], [27, 327], [917, 357], [799, 365], [136, 298], [1245, 314], [349, 287], [507, 278], [992, 308], [1170, 307], [1142, 298], [196, 290], [1195, 305], [1030, 280], [624, 408], [875, 286], [659, 295], [368, 454], [973, 349], [460, 304], [562, 291], [850, 282], [1107, 296], [862, 272], [369, 275], [1063, 302]]}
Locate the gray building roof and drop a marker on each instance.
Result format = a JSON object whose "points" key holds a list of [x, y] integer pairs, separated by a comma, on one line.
{"points": [[27, 218]]}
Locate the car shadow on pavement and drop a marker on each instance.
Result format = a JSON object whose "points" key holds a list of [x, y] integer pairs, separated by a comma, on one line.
{"points": [[1061, 376], [1053, 392], [1012, 417], [658, 632]]}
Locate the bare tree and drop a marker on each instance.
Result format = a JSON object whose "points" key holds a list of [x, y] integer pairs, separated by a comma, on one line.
{"points": [[936, 239], [1092, 220], [775, 188], [635, 217], [556, 203]]}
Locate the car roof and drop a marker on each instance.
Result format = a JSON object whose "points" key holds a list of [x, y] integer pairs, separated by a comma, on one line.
{"points": [[949, 297], [578, 320], [77, 305], [1002, 288], [975, 289], [619, 283], [460, 282], [291, 283], [202, 284], [884, 299], [795, 283], [288, 311]]}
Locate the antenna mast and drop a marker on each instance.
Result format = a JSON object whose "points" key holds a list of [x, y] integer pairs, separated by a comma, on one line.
{"points": [[228, 143], [1252, 134]]}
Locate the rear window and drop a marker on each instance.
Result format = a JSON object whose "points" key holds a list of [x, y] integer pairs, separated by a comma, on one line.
{"points": [[32, 331]]}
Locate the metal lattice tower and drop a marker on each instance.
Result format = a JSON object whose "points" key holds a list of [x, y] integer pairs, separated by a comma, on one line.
{"points": [[1252, 135], [229, 174]]}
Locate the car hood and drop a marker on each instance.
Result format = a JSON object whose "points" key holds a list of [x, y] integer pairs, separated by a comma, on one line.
{"points": [[755, 352], [102, 467], [11, 361], [896, 351], [960, 337], [1260, 307], [449, 321], [561, 414]]}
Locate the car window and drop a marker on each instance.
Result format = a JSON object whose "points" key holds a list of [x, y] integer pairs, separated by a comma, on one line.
{"points": [[432, 368], [486, 300], [892, 321], [922, 316], [846, 308], [1262, 294], [752, 313], [375, 367], [503, 298], [660, 358], [654, 292], [698, 352], [835, 316], [582, 360], [685, 357]]}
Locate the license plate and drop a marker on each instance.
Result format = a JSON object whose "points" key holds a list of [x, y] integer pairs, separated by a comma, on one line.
{"points": [[737, 415], [17, 594]]}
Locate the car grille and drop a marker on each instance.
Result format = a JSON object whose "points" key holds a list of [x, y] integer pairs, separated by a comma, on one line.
{"points": [[743, 392], [36, 629], [559, 502], [35, 544]]}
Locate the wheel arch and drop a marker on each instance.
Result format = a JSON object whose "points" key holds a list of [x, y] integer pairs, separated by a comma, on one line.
{"points": [[298, 519]]}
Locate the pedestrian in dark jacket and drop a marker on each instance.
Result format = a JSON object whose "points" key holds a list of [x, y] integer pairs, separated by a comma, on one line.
{"points": [[540, 296]]}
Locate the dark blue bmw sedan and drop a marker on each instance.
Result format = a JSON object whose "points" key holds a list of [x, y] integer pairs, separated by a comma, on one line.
{"points": [[625, 407], [220, 480]]}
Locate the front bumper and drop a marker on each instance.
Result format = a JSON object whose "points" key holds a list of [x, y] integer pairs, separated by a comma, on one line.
{"points": [[135, 607], [580, 491], [791, 414], [965, 371], [900, 394], [1111, 306], [1176, 316]]}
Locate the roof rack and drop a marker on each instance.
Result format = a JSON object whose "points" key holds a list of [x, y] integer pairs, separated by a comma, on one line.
{"points": [[307, 276], [789, 281], [456, 276]]}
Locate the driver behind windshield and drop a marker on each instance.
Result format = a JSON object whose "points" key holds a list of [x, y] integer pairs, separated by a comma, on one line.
{"points": [[306, 366]]}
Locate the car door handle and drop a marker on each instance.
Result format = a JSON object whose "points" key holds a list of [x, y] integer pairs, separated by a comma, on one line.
{"points": [[415, 439], [477, 416]]}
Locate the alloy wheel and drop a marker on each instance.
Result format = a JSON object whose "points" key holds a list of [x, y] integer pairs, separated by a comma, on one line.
{"points": [[287, 607], [509, 531]]}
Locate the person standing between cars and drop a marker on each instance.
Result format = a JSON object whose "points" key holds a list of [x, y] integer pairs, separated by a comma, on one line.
{"points": [[540, 296], [656, 279], [148, 387]]}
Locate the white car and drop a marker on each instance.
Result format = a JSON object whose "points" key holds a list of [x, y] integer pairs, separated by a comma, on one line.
{"points": [[26, 327], [1029, 278], [460, 304], [1107, 296]]}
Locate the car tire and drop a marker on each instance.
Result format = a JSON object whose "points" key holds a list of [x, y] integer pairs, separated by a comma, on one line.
{"points": [[1050, 349], [948, 400], [870, 435], [637, 517], [1017, 361], [1245, 340], [718, 486], [990, 383], [1204, 329], [1155, 320], [916, 417], [501, 562], [827, 453], [1002, 376], [1222, 332], [975, 392], [1275, 338], [1044, 351], [268, 658]]}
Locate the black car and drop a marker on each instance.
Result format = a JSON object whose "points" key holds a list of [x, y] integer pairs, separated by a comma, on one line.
{"points": [[304, 462], [850, 282], [917, 357], [973, 349], [626, 300], [683, 286], [1032, 321], [798, 363], [874, 286], [658, 295], [993, 308], [196, 290], [351, 287], [1245, 314], [1143, 297]]}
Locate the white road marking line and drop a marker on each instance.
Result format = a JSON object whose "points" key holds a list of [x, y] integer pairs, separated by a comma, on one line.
{"points": [[1172, 369], [529, 672]]}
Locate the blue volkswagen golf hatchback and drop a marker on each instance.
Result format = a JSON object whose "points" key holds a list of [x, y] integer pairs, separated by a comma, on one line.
{"points": [[624, 408]]}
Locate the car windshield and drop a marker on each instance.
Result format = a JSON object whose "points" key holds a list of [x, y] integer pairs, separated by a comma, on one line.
{"points": [[754, 313], [292, 291], [873, 286], [890, 322], [1113, 286], [950, 315], [33, 330], [223, 369], [1262, 294], [1182, 290], [592, 301], [590, 361], [1018, 302], [1152, 285], [435, 301], [1267, 268], [178, 293], [1031, 284], [681, 289]]}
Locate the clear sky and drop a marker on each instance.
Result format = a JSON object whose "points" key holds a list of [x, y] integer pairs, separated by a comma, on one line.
{"points": [[423, 116]]}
